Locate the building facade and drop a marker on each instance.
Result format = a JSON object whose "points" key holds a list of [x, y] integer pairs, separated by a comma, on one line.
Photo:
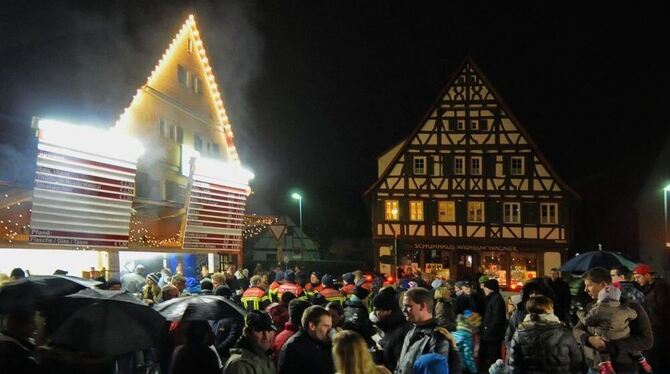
{"points": [[468, 191]]}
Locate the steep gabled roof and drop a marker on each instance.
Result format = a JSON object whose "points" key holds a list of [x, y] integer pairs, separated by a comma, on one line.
{"points": [[469, 61], [189, 28]]}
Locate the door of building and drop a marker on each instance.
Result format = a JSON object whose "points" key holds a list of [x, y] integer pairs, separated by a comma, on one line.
{"points": [[467, 265]]}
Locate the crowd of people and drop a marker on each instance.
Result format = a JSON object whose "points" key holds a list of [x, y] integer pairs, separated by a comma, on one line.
{"points": [[308, 322]]}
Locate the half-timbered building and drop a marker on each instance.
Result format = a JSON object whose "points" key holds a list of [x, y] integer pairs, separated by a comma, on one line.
{"points": [[468, 191]]}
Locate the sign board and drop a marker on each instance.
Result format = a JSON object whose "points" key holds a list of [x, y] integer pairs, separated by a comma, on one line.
{"points": [[83, 193], [215, 218], [278, 231]]}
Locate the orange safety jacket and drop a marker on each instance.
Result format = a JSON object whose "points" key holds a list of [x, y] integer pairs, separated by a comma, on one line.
{"points": [[348, 289], [333, 295], [310, 290], [255, 298], [289, 287], [272, 290]]}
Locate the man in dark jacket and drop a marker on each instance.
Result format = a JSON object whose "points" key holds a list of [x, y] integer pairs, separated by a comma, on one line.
{"points": [[657, 304], [309, 350], [251, 355], [425, 336], [542, 341], [493, 325], [392, 323], [356, 314], [562, 291], [641, 337]]}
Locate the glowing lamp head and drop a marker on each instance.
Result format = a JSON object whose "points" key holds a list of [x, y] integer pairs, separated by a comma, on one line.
{"points": [[296, 196], [666, 188]]}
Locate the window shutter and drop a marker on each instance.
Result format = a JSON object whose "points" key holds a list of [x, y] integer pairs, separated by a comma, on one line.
{"points": [[489, 165], [403, 210], [447, 165], [529, 165], [379, 211], [409, 164], [493, 211], [563, 214], [461, 212], [529, 213], [429, 165], [483, 125], [452, 124], [429, 210], [180, 135], [506, 165]]}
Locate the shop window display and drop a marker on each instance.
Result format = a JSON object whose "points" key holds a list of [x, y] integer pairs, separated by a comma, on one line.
{"points": [[409, 262], [437, 264], [523, 267], [494, 265]]}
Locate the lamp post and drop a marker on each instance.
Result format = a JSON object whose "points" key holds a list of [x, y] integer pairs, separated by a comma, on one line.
{"points": [[297, 196], [666, 189]]}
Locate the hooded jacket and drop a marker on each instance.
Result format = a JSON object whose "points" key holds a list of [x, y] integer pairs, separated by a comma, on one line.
{"points": [[495, 318], [356, 318], [248, 359], [427, 338], [542, 344], [395, 327]]}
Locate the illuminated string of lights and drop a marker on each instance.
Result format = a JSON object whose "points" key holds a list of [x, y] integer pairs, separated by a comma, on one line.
{"points": [[12, 226], [254, 225]]}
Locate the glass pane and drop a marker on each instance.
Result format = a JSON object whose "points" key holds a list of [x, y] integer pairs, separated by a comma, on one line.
{"points": [[494, 266], [523, 267]]}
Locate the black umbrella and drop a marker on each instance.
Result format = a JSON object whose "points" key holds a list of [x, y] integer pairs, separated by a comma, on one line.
{"points": [[199, 308], [109, 323], [589, 260], [25, 294]]}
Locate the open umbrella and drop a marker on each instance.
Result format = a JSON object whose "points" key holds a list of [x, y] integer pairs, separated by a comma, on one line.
{"points": [[25, 294], [589, 260], [109, 323], [199, 308]]}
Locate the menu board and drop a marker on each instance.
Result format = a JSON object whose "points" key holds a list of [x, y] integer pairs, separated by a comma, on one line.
{"points": [[215, 216], [81, 198]]}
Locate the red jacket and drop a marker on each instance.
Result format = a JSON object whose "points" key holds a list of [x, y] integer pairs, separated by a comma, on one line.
{"points": [[289, 330], [279, 314], [331, 294], [348, 289], [289, 287]]}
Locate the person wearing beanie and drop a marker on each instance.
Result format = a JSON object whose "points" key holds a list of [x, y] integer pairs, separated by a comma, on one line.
{"points": [[348, 287], [356, 314], [290, 286], [610, 319], [436, 283], [465, 323], [444, 308], [272, 290], [498, 367], [329, 292], [151, 293], [391, 321], [314, 286], [493, 324], [656, 293], [483, 280]]}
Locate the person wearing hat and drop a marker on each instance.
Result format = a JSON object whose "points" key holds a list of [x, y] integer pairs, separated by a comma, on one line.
{"points": [[330, 293], [356, 314], [251, 353], [272, 290], [133, 282], [349, 285], [493, 324], [392, 323], [255, 297], [314, 286], [465, 323], [151, 293], [290, 285], [657, 305]]}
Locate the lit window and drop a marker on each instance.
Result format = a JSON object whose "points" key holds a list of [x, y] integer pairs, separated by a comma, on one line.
{"points": [[512, 213], [549, 213], [419, 165], [475, 211], [197, 143], [446, 211], [516, 166], [391, 210], [416, 210], [476, 165], [459, 165]]}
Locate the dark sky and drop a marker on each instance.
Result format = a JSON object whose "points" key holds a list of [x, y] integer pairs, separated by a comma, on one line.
{"points": [[316, 90]]}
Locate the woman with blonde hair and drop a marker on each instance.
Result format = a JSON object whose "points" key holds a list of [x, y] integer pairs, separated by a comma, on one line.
{"points": [[351, 355]]}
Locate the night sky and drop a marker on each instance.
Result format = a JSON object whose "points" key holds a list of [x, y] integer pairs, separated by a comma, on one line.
{"points": [[317, 90]]}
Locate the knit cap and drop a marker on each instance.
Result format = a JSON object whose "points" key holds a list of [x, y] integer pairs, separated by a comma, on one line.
{"points": [[348, 278], [483, 279], [436, 283], [609, 293], [290, 276], [327, 280], [431, 363], [492, 284], [497, 367], [385, 299], [154, 277], [361, 292]]}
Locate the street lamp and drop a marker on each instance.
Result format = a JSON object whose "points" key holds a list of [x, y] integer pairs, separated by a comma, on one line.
{"points": [[666, 189], [297, 196]]}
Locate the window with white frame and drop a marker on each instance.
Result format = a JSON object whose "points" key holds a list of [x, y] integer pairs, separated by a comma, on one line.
{"points": [[516, 165], [419, 165], [446, 211], [391, 210], [459, 165], [476, 165], [416, 210], [437, 166], [475, 211], [548, 213], [511, 213]]}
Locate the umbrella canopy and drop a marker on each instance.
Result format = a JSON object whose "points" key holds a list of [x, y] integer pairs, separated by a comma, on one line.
{"points": [[199, 308], [111, 323], [589, 260], [25, 294]]}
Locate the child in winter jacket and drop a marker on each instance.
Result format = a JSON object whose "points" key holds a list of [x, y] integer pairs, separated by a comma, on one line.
{"points": [[609, 319], [463, 335]]}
